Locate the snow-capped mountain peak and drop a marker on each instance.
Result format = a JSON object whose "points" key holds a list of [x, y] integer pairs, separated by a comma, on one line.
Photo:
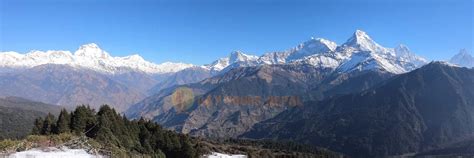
{"points": [[463, 58], [402, 49], [91, 50], [238, 56], [359, 53], [362, 41], [319, 44], [464, 53], [89, 56], [217, 65], [311, 47], [403, 53], [134, 57], [235, 57]]}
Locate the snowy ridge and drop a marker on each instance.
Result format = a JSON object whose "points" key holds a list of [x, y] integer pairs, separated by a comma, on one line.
{"points": [[88, 56], [362, 53], [358, 53]]}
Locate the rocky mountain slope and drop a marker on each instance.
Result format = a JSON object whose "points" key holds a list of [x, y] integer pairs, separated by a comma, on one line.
{"points": [[69, 86], [417, 111], [189, 75], [229, 104]]}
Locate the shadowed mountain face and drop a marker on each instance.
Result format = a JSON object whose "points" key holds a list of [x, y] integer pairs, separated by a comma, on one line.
{"points": [[229, 104], [462, 148], [17, 116], [68, 86], [412, 112]]}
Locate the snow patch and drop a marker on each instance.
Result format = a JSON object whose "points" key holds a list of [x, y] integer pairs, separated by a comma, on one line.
{"points": [[220, 155], [53, 153]]}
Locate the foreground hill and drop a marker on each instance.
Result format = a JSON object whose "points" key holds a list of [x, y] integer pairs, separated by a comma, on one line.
{"points": [[17, 116], [106, 132], [417, 111]]}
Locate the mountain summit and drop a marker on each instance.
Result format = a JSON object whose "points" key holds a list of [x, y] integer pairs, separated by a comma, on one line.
{"points": [[362, 41], [312, 47], [463, 58], [91, 50], [238, 56]]}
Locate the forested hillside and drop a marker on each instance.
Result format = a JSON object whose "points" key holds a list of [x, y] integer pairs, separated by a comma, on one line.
{"points": [[112, 134], [17, 116]]}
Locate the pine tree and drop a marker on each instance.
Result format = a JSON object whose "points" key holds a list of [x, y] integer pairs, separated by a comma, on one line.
{"points": [[105, 135], [38, 126], [104, 131], [83, 119], [187, 148], [48, 124], [63, 123], [144, 137]]}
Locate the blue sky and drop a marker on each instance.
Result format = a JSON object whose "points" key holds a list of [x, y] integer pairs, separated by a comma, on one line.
{"points": [[199, 33]]}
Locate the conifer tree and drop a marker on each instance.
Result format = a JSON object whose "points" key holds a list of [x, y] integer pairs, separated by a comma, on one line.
{"points": [[83, 119], [48, 124], [63, 123], [38, 126]]}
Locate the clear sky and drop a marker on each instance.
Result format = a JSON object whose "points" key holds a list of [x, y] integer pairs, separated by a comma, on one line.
{"points": [[200, 32]]}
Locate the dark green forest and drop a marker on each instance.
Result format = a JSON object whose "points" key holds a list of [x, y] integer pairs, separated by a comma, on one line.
{"points": [[121, 137], [117, 132]]}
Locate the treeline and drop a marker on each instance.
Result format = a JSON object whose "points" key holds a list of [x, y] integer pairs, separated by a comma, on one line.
{"points": [[117, 132], [281, 146], [268, 148]]}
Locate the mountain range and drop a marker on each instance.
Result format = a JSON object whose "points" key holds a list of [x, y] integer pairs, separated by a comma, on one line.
{"points": [[88, 56], [248, 89], [358, 98], [64, 78]]}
